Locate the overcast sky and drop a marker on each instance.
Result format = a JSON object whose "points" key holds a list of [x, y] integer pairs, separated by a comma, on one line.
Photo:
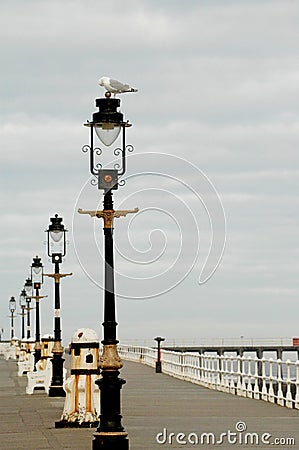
{"points": [[215, 135]]}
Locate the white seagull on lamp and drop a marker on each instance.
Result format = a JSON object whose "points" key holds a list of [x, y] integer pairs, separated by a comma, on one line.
{"points": [[114, 86]]}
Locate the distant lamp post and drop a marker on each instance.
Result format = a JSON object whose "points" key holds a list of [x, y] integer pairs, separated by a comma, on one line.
{"points": [[12, 308], [1, 333], [107, 123], [56, 245], [23, 306], [28, 290], [37, 281], [159, 362]]}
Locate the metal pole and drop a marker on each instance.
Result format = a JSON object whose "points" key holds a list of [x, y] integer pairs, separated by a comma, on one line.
{"points": [[12, 325], [158, 363], [37, 347], [23, 322], [56, 388], [28, 318], [110, 434], [109, 323]]}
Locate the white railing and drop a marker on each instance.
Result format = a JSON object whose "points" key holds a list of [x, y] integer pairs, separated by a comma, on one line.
{"points": [[145, 355], [271, 380], [217, 342]]}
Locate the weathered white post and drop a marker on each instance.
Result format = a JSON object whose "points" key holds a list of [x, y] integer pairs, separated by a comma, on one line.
{"points": [[82, 402]]}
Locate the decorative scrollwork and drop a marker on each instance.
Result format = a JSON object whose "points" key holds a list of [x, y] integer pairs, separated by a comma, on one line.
{"points": [[95, 167], [118, 151], [117, 166], [94, 182], [121, 182], [129, 148], [86, 148]]}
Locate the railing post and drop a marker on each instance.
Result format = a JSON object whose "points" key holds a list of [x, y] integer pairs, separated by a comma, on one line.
{"points": [[271, 390], [232, 385], [259, 354], [243, 366], [226, 371], [209, 371], [280, 400], [201, 371], [182, 364], [256, 392], [221, 378], [249, 375], [218, 372], [289, 398], [204, 372], [264, 385], [239, 383]]}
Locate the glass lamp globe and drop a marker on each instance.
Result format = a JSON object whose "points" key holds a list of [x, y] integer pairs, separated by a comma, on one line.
{"points": [[12, 304], [23, 298], [107, 132]]}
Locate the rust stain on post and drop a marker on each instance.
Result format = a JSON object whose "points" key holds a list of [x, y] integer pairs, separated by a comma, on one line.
{"points": [[88, 392], [76, 393]]}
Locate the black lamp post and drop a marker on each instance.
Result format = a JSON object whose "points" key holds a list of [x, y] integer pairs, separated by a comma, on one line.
{"points": [[108, 123], [158, 362], [28, 290], [23, 306], [56, 244], [37, 281], [12, 308]]}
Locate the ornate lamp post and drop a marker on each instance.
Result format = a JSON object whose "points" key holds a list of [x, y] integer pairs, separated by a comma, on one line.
{"points": [[28, 290], [23, 306], [37, 281], [108, 124], [12, 308], [56, 245]]}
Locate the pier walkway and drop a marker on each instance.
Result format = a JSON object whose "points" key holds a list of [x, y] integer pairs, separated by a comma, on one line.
{"points": [[152, 404]]}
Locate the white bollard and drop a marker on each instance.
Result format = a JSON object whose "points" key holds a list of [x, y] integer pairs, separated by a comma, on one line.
{"points": [[41, 378], [82, 402], [13, 350], [4, 346], [26, 358], [23, 350]]}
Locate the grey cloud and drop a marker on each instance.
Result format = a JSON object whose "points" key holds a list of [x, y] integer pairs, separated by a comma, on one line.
{"points": [[218, 87]]}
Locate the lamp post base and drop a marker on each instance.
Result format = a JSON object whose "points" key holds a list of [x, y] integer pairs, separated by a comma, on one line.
{"points": [[56, 391], [110, 441], [37, 355], [56, 387], [158, 367], [77, 424], [110, 434]]}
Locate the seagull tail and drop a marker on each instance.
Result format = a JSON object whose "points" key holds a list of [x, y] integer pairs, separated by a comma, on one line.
{"points": [[133, 90]]}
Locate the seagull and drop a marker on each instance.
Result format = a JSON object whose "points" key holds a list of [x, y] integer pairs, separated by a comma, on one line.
{"points": [[114, 86]]}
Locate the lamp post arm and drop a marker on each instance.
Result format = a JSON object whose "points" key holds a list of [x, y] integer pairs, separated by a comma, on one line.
{"points": [[37, 297], [57, 276], [108, 215]]}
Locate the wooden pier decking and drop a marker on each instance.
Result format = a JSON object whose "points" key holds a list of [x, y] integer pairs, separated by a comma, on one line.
{"points": [[151, 404]]}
